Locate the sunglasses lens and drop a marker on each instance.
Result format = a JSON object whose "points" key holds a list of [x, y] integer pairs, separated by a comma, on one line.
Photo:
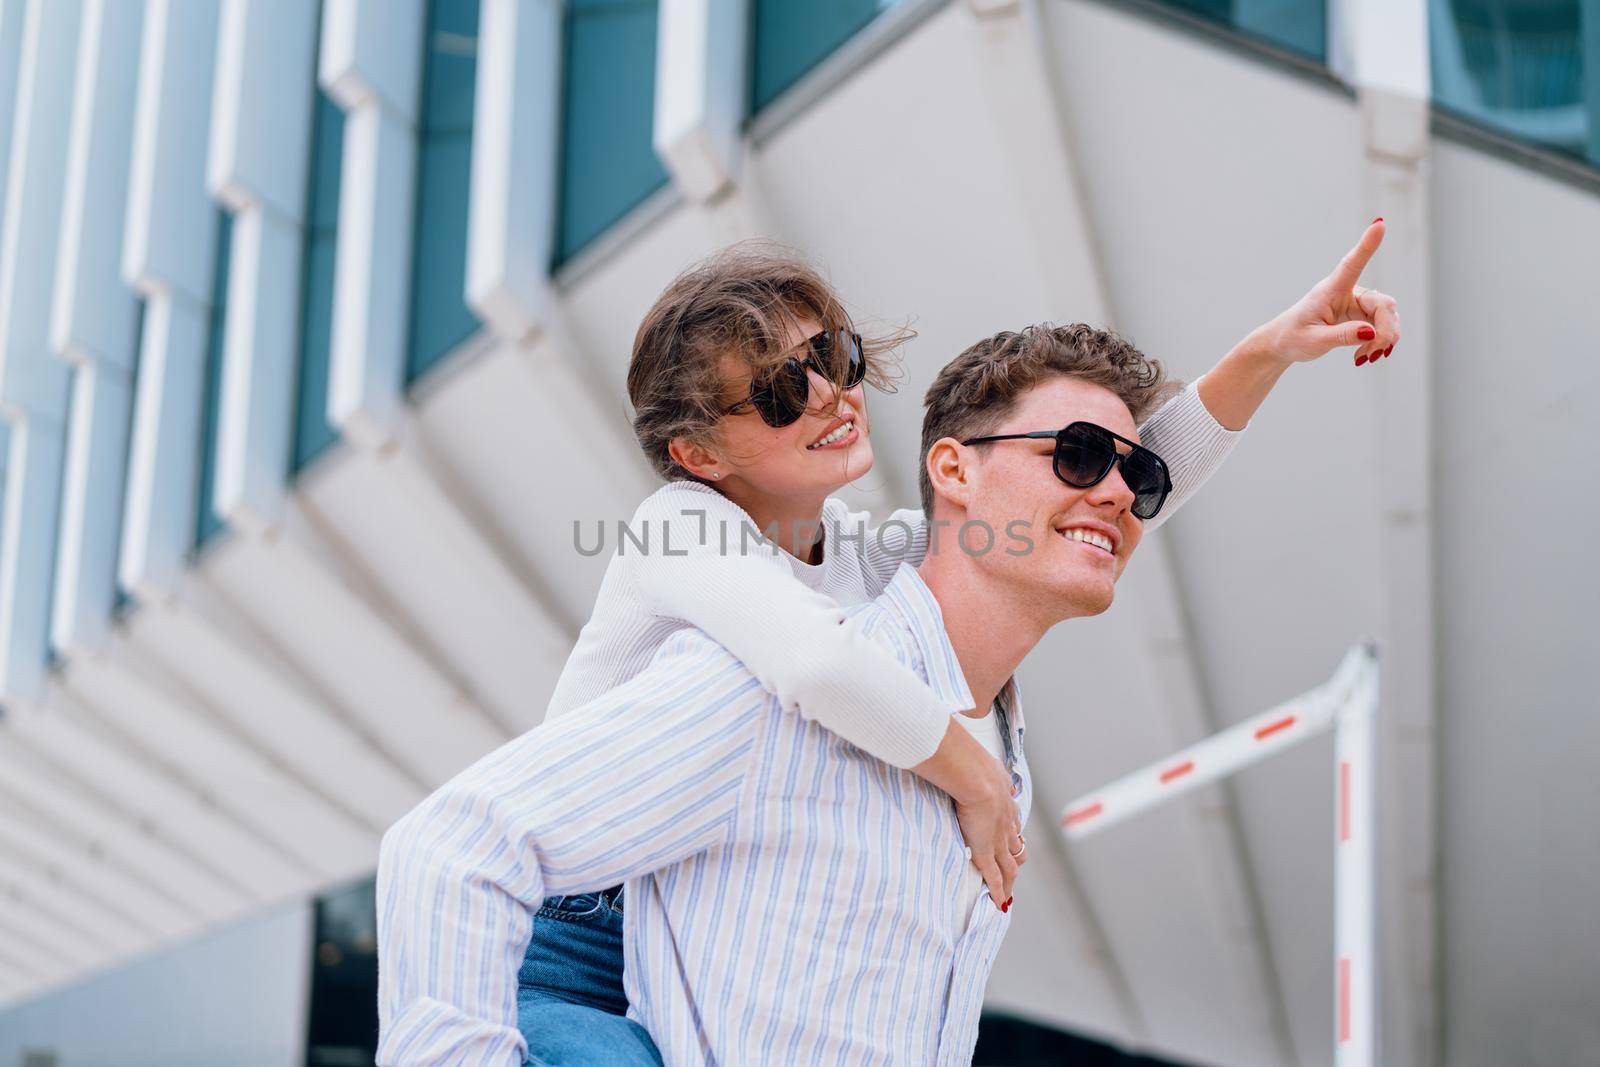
{"points": [[1146, 476], [783, 400], [1084, 454], [836, 355]]}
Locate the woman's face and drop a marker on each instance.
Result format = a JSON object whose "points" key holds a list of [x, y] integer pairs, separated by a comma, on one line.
{"points": [[797, 460]]}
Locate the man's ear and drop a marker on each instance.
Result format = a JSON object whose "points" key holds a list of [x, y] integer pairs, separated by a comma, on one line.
{"points": [[949, 470], [695, 458]]}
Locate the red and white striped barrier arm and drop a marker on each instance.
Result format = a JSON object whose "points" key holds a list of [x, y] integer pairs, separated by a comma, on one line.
{"points": [[1347, 703], [1217, 756]]}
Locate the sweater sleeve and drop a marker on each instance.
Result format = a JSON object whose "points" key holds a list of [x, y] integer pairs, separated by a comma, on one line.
{"points": [[1193, 443], [790, 636]]}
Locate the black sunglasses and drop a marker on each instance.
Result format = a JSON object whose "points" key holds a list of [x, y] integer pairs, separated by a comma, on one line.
{"points": [[1085, 454], [834, 354]]}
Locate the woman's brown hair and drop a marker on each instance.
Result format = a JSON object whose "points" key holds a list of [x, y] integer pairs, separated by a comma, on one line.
{"points": [[738, 303]]}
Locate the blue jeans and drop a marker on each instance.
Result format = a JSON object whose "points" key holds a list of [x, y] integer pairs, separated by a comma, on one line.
{"points": [[570, 1001]]}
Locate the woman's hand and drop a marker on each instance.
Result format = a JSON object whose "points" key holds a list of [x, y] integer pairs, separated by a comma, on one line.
{"points": [[1337, 312], [985, 807]]}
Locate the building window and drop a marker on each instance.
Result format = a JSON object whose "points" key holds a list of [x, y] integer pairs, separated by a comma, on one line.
{"points": [[207, 525], [312, 432], [608, 161], [440, 318], [121, 600], [342, 1028], [1297, 25], [1518, 66], [788, 39]]}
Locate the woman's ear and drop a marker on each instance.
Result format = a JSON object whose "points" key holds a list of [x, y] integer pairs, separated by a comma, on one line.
{"points": [[696, 458], [949, 471]]}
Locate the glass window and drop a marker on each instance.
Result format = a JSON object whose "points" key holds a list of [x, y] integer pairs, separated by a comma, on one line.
{"points": [[608, 163], [312, 432], [206, 522], [1298, 25], [1518, 66], [342, 1028], [440, 318], [121, 601], [788, 39]]}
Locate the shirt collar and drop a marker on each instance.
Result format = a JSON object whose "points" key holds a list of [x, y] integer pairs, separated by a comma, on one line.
{"points": [[909, 600]]}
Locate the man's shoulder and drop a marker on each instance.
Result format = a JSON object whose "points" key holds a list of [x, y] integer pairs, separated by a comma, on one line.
{"points": [[876, 621]]}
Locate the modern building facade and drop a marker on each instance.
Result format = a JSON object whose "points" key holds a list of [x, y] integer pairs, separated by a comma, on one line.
{"points": [[314, 318]]}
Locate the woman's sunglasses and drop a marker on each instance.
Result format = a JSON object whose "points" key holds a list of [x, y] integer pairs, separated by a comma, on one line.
{"points": [[1085, 454], [834, 354]]}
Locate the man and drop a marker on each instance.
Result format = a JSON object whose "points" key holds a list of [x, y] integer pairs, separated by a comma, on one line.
{"points": [[790, 899]]}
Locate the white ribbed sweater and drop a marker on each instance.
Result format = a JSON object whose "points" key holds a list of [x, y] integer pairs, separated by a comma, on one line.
{"points": [[783, 617]]}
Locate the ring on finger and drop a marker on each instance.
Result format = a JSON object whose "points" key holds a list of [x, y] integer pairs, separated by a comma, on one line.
{"points": [[1023, 842]]}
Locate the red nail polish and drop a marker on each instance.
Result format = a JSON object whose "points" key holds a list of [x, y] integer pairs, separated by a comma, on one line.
{"points": [[1376, 220], [1007, 905], [1366, 333], [1386, 351], [1360, 360]]}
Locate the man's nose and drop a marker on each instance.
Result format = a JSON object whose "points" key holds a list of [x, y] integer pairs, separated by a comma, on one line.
{"points": [[1112, 489]]}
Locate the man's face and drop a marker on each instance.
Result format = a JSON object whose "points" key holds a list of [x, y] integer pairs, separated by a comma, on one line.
{"points": [[1014, 491]]}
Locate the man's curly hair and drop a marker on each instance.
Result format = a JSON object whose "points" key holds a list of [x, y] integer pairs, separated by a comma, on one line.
{"points": [[978, 389]]}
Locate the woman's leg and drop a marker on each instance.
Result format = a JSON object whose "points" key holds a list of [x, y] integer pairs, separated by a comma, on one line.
{"points": [[570, 1001]]}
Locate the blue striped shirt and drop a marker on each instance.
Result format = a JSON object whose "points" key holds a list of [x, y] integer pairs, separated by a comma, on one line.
{"points": [[790, 898]]}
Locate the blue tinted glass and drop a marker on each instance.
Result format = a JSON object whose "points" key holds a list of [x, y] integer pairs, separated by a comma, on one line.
{"points": [[121, 601], [608, 164], [206, 522], [788, 39], [1518, 66], [1298, 25], [440, 318], [312, 433]]}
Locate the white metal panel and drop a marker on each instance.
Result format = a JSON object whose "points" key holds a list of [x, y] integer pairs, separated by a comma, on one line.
{"points": [[240, 672], [93, 322], [486, 420], [700, 91], [71, 741], [171, 219], [255, 421], [158, 518], [372, 275], [11, 18], [27, 548], [516, 123], [116, 931], [37, 946], [33, 386], [94, 313], [81, 862], [506, 649], [117, 835], [371, 63], [372, 54], [148, 709], [361, 649], [1516, 529], [91, 507], [261, 113]]}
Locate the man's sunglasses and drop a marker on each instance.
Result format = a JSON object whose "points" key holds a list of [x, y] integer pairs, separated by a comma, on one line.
{"points": [[1085, 454], [834, 354]]}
